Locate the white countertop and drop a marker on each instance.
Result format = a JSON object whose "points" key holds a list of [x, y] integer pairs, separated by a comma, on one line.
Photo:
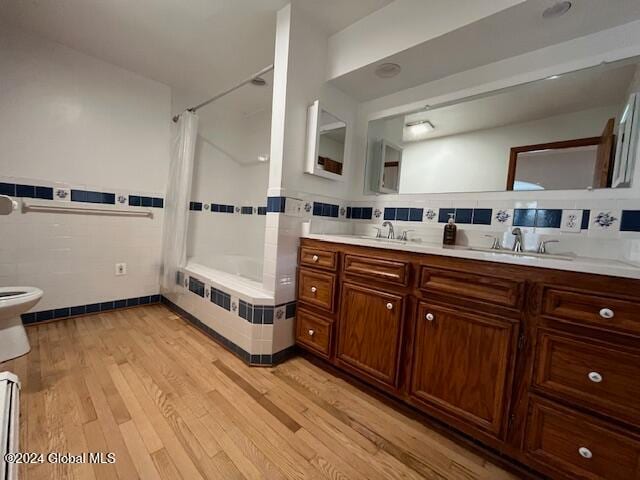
{"points": [[598, 266]]}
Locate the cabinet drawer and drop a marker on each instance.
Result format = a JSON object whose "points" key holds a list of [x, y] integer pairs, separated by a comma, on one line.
{"points": [[579, 446], [497, 290], [599, 311], [391, 271], [317, 288], [314, 257], [595, 375], [313, 332]]}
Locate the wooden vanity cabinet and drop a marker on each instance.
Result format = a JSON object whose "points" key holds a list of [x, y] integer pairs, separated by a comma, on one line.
{"points": [[463, 365], [539, 365]]}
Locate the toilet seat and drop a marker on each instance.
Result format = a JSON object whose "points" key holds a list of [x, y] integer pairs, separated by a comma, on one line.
{"points": [[13, 302]]}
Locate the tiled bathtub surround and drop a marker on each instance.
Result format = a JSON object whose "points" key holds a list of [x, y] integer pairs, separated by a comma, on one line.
{"points": [[78, 310]]}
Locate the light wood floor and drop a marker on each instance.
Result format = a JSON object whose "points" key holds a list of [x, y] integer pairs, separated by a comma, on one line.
{"points": [[171, 404]]}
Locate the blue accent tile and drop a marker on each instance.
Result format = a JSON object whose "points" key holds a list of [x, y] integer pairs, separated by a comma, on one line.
{"points": [[482, 216], [146, 201], [226, 302], [389, 213], [61, 312], [109, 198], [548, 218], [195, 286], [144, 300], [356, 213], [246, 210], [8, 189], [158, 202], [402, 214], [78, 196], [317, 209], [46, 193], [104, 306], [367, 213], [415, 214], [630, 221], [267, 316], [229, 208], [348, 212], [28, 318], [443, 214], [290, 310], [44, 315], [276, 204], [197, 206], [257, 314], [242, 309], [215, 207], [334, 211], [262, 210], [93, 197], [585, 220], [134, 200], [326, 210], [132, 302], [255, 359], [155, 298], [120, 304], [93, 308], [265, 359], [524, 217], [79, 310], [464, 215], [28, 191]]}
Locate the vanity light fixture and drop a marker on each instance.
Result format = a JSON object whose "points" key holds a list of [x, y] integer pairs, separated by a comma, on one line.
{"points": [[420, 127], [387, 70], [556, 10]]}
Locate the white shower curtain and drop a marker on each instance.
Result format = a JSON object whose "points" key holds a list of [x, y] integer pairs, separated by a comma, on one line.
{"points": [[176, 206]]}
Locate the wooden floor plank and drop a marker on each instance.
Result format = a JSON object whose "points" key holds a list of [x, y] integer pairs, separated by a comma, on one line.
{"points": [[171, 403]]}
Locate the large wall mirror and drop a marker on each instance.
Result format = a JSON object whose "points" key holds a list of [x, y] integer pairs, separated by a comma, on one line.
{"points": [[578, 130]]}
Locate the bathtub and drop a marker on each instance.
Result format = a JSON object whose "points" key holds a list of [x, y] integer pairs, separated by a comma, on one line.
{"points": [[243, 266]]}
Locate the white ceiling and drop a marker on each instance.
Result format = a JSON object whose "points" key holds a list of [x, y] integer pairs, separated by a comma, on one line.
{"points": [[200, 46], [601, 86], [514, 31]]}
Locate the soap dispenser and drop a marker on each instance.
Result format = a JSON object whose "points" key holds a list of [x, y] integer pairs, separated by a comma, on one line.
{"points": [[449, 237]]}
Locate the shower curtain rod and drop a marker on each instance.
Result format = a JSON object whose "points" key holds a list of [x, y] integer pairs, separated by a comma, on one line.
{"points": [[227, 91]]}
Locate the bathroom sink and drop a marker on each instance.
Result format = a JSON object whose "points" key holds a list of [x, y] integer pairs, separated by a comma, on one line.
{"points": [[550, 256], [384, 240]]}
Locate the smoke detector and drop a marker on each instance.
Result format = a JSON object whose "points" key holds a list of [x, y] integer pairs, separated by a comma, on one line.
{"points": [[556, 10], [387, 70]]}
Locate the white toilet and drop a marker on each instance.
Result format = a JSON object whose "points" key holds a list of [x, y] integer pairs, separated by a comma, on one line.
{"points": [[13, 302]]}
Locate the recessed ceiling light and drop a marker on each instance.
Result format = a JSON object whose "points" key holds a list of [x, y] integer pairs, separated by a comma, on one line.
{"points": [[258, 82], [387, 70], [556, 10], [553, 77]]}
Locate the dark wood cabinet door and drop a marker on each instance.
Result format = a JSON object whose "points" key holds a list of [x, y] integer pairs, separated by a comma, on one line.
{"points": [[463, 365], [369, 332]]}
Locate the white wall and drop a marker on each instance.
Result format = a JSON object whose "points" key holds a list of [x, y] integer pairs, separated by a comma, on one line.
{"points": [[72, 120], [400, 25], [478, 161], [218, 178]]}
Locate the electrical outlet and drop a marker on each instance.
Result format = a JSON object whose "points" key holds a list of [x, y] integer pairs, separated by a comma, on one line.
{"points": [[121, 269]]}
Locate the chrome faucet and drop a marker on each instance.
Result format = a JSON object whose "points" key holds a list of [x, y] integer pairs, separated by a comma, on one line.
{"points": [[517, 245], [542, 246], [391, 235], [496, 244]]}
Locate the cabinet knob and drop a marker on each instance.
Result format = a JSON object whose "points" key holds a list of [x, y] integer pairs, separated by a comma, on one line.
{"points": [[311, 333], [585, 452], [430, 317], [389, 306], [314, 289], [315, 258], [606, 313], [595, 377]]}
